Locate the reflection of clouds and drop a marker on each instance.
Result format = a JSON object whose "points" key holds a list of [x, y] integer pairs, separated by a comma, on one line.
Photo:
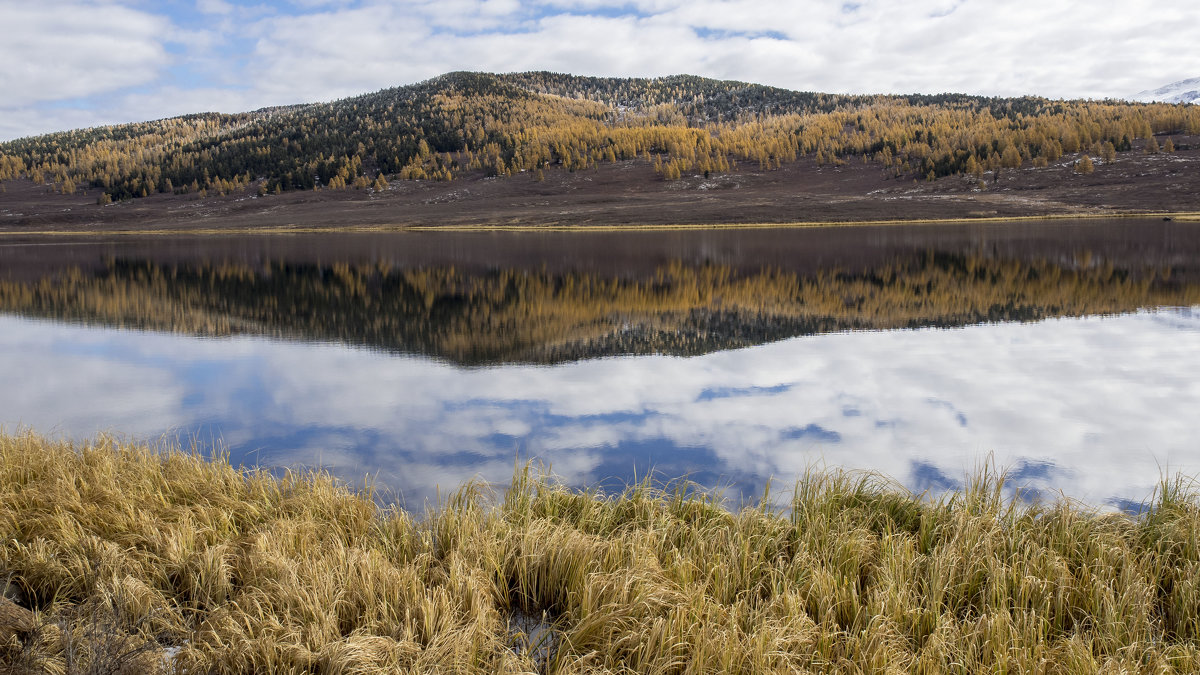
{"points": [[958, 415], [62, 381], [1095, 407]]}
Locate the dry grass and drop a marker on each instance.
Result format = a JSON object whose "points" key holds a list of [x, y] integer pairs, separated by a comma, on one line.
{"points": [[124, 552]]}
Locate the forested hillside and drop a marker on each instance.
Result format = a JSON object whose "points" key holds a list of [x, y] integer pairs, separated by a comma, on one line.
{"points": [[537, 122]]}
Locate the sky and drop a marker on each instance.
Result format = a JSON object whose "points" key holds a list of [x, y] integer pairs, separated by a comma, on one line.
{"points": [[79, 64]]}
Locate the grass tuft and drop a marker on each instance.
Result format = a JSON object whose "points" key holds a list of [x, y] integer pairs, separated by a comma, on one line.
{"points": [[134, 559]]}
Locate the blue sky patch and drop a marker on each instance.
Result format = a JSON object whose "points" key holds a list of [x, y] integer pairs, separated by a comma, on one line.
{"points": [[722, 34]]}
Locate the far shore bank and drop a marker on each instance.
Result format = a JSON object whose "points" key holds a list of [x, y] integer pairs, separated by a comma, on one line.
{"points": [[1180, 216]]}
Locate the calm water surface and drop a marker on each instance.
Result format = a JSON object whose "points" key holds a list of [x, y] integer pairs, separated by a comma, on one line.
{"points": [[1068, 353]]}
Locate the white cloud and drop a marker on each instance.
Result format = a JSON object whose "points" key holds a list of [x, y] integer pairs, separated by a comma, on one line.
{"points": [[170, 101], [20, 122], [1073, 48], [131, 106], [54, 51], [879, 47]]}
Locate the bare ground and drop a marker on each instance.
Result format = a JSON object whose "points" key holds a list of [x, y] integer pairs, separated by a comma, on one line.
{"points": [[630, 193]]}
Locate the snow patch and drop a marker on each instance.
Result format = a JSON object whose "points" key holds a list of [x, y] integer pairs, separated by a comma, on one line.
{"points": [[1183, 91]]}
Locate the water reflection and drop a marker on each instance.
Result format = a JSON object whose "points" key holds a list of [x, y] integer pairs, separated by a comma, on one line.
{"points": [[511, 315], [1097, 407], [730, 357]]}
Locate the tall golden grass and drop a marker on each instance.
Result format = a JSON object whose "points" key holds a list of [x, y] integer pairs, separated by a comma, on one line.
{"points": [[140, 559]]}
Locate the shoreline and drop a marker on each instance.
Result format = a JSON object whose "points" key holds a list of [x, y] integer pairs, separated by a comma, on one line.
{"points": [[1179, 216]]}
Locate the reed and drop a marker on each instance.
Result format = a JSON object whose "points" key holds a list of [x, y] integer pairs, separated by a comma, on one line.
{"points": [[137, 559]]}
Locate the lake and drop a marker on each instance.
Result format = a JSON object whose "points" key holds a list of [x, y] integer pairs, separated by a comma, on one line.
{"points": [[1065, 352]]}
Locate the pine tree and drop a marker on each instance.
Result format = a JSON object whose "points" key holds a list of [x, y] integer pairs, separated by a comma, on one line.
{"points": [[1011, 159], [973, 167]]}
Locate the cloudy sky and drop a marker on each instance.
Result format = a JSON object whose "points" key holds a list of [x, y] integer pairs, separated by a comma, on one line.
{"points": [[72, 64]]}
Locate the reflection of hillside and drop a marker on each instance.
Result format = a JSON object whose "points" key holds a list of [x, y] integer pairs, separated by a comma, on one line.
{"points": [[539, 316]]}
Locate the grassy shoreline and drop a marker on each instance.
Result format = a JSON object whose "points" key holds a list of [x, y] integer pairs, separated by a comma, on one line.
{"points": [[1182, 216], [125, 552]]}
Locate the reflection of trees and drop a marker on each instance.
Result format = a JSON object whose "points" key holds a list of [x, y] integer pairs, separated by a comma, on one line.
{"points": [[521, 315]]}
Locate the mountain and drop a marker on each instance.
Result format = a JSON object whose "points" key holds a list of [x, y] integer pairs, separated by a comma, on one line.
{"points": [[463, 125], [437, 129], [1183, 91]]}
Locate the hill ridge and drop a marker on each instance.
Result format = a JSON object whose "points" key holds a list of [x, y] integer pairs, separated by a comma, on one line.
{"points": [[502, 124]]}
